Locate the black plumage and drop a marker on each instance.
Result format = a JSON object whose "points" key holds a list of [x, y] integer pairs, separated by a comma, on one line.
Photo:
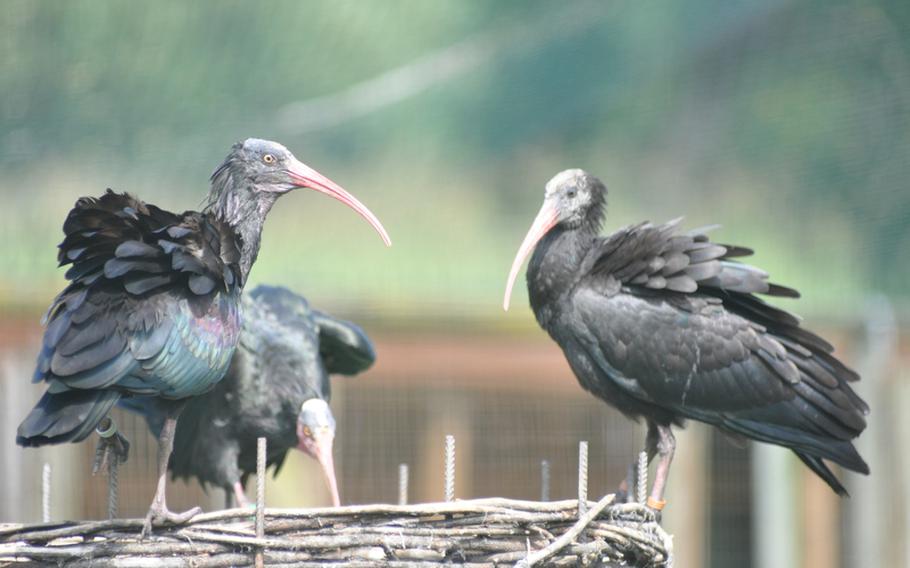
{"points": [[666, 325], [277, 387], [153, 303]]}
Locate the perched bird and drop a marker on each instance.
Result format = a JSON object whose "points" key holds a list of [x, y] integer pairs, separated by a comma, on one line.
{"points": [[153, 304], [277, 387], [665, 325]]}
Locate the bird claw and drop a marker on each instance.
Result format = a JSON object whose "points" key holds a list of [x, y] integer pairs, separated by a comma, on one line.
{"points": [[111, 444], [621, 496], [160, 515]]}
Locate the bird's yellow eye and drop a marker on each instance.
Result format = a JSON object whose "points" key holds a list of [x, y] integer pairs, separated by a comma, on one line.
{"points": [[306, 429], [268, 159]]}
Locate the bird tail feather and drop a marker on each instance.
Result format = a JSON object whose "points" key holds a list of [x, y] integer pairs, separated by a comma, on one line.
{"points": [[821, 469], [810, 449], [68, 416]]}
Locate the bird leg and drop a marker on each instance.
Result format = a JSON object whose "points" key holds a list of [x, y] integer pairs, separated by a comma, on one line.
{"points": [[158, 511], [240, 495], [626, 492], [113, 448], [666, 446], [235, 496]]}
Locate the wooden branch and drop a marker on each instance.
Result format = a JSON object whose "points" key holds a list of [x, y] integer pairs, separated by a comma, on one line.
{"points": [[569, 535], [479, 533]]}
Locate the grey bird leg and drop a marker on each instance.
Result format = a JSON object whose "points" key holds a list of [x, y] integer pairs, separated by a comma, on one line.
{"points": [[158, 511], [110, 443], [228, 498], [666, 446]]}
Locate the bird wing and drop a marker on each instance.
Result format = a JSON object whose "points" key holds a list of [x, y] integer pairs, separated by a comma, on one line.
{"points": [[673, 322], [344, 347], [710, 364], [141, 279], [659, 257], [283, 334]]}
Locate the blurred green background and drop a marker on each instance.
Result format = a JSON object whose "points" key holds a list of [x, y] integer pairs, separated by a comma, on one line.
{"points": [[786, 122]]}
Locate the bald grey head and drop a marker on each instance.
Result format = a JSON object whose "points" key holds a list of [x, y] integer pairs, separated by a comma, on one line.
{"points": [[316, 416], [252, 177], [249, 180], [573, 200], [315, 437], [578, 198]]}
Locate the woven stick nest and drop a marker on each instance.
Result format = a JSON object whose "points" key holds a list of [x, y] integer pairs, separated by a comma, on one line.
{"points": [[475, 533]]}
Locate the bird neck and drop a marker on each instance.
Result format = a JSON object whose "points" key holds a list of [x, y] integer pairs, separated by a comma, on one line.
{"points": [[557, 264], [244, 209]]}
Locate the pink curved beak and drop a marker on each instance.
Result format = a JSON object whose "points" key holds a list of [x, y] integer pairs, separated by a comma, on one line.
{"points": [[320, 449], [305, 176], [546, 219]]}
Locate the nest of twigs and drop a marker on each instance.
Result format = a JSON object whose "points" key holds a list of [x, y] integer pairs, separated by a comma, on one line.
{"points": [[482, 532]]}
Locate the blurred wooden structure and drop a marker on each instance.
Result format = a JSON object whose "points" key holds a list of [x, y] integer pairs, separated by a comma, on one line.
{"points": [[511, 402], [481, 533]]}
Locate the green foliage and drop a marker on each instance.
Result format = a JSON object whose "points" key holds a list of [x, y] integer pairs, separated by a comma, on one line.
{"points": [[787, 122]]}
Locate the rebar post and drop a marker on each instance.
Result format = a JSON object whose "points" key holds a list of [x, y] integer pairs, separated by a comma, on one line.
{"points": [[582, 477], [403, 484], [46, 493], [450, 468], [113, 486], [544, 480], [260, 496], [642, 477]]}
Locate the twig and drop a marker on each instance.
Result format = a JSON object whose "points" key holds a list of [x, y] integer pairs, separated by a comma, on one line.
{"points": [[479, 533], [569, 535]]}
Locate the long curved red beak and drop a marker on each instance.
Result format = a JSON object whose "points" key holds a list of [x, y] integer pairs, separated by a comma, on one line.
{"points": [[546, 219], [305, 176]]}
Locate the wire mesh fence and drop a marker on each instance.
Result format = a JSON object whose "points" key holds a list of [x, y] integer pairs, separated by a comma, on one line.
{"points": [[505, 425]]}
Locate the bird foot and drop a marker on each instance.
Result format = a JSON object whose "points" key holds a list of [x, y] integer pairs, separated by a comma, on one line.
{"points": [[622, 495], [159, 515], [112, 445]]}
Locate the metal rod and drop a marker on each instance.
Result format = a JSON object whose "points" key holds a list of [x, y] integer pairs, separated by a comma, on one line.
{"points": [[403, 484], [46, 493], [113, 485], [544, 480], [582, 477], [260, 496], [450, 468], [642, 477]]}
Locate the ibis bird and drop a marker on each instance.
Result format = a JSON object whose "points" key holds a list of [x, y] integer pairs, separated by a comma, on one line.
{"points": [[277, 387], [667, 325], [153, 304]]}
